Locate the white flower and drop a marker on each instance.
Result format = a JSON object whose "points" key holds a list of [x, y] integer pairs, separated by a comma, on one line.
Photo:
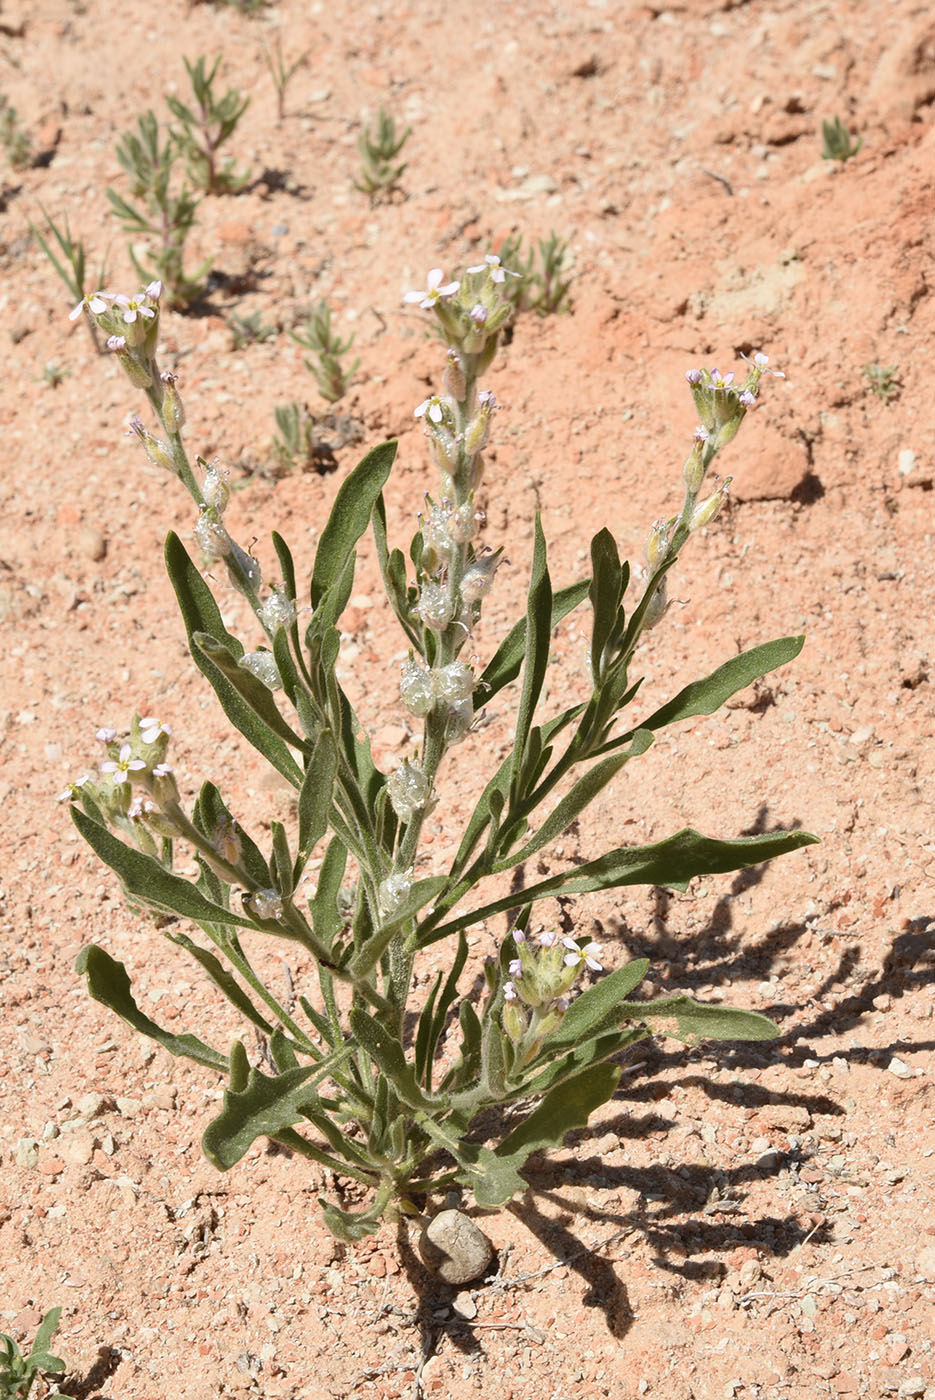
{"points": [[94, 301], [431, 409], [433, 290], [122, 767], [588, 955], [516, 968], [491, 263], [547, 939], [509, 992], [131, 307], [106, 736], [71, 792], [151, 728], [162, 770], [761, 362]]}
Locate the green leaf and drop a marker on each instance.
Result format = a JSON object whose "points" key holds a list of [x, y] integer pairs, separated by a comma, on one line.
{"points": [[385, 1050], [282, 860], [315, 796], [538, 642], [109, 983], [605, 592], [432, 1019], [393, 569], [350, 1225], [252, 691], [211, 812], [589, 1052], [576, 799], [495, 1178], [263, 1108], [43, 1340], [201, 614], [143, 878], [706, 696], [671, 863], [420, 894], [225, 980], [327, 919], [349, 517], [697, 1021], [597, 1008], [506, 663]]}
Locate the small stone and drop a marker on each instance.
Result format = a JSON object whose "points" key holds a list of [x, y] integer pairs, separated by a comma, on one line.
{"points": [[900, 1068], [906, 461], [91, 1106], [463, 1304], [78, 1148], [51, 1166], [915, 1385], [160, 1098], [128, 1108], [26, 1153], [454, 1248], [92, 543]]}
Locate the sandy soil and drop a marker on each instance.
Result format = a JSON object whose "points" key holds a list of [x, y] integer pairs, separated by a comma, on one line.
{"points": [[739, 1222]]}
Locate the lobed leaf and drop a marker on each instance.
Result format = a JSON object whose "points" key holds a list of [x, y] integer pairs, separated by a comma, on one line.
{"points": [[109, 983]]}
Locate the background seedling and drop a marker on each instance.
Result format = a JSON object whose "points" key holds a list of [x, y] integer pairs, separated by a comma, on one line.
{"points": [[837, 142], [379, 176], [328, 349], [205, 127]]}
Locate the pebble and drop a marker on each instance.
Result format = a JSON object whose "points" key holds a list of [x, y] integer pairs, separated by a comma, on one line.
{"points": [[900, 1068], [26, 1153], [463, 1304], [454, 1248], [925, 1262], [915, 1385], [906, 461]]}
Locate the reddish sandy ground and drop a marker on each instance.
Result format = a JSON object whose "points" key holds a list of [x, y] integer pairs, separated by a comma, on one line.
{"points": [[738, 1222]]}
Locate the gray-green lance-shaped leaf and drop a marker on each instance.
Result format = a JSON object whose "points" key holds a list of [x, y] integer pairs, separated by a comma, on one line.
{"points": [[201, 614], [252, 691], [671, 863], [315, 794], [538, 642], [433, 1015], [705, 696], [598, 1007], [264, 1107], [605, 592], [109, 983], [385, 1050], [393, 569], [495, 1177], [350, 516], [577, 798], [421, 893], [350, 1225], [508, 658], [146, 880], [696, 1020]]}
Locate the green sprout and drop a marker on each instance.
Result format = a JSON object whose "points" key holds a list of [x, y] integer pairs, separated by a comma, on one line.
{"points": [[281, 73], [205, 128], [19, 1372], [332, 377], [160, 216], [15, 138], [883, 380], [378, 150], [248, 330], [837, 143], [72, 265]]}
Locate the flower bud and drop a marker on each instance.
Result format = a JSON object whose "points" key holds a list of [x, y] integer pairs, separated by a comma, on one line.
{"points": [[453, 381], [157, 452], [213, 540], [693, 471], [514, 1022], [454, 682], [136, 369], [705, 511], [408, 789], [173, 412], [227, 841], [478, 578], [460, 719], [278, 611], [435, 606], [262, 665], [266, 904], [215, 490], [478, 430], [462, 523], [417, 688], [657, 544], [394, 890], [658, 606]]}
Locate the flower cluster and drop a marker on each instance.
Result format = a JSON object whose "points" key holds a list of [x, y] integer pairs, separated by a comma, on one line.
{"points": [[537, 993], [134, 783], [722, 402]]}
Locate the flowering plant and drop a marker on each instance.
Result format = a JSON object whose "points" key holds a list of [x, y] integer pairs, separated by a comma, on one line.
{"points": [[389, 1091]]}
